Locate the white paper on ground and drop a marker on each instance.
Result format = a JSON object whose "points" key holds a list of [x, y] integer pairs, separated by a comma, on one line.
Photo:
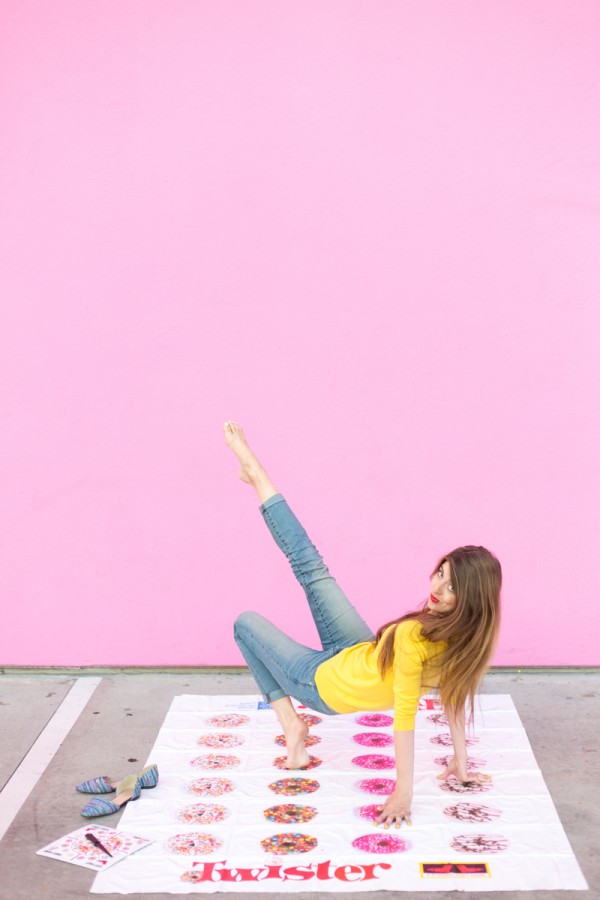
{"points": [[522, 846]]}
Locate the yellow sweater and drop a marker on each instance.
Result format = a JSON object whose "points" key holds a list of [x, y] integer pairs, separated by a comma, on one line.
{"points": [[350, 681]]}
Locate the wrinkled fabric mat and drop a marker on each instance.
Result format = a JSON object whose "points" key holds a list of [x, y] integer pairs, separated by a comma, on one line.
{"points": [[504, 838]]}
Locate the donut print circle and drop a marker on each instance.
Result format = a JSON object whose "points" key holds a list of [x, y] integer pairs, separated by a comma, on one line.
{"points": [[380, 843], [379, 786], [479, 843], [471, 812], [375, 720], [287, 843], [310, 741], [210, 787], [313, 763], [290, 813], [472, 762], [221, 740], [310, 719], [215, 761], [202, 814], [445, 740], [290, 787], [195, 843], [374, 761], [438, 719], [469, 787], [227, 720], [373, 739], [371, 812]]}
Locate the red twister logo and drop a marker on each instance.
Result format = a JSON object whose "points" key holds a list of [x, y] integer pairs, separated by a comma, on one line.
{"points": [[323, 871]]}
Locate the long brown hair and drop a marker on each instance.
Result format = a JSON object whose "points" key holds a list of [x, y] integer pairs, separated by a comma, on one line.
{"points": [[470, 630]]}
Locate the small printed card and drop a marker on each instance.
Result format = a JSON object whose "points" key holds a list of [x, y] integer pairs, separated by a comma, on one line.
{"points": [[77, 849]]}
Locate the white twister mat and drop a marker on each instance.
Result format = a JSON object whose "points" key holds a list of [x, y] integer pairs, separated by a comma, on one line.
{"points": [[225, 818]]}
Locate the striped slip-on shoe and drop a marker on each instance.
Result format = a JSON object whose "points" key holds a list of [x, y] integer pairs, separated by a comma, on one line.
{"points": [[128, 789], [104, 784]]}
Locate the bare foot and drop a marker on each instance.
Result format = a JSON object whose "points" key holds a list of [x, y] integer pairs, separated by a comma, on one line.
{"points": [[251, 470], [295, 736]]}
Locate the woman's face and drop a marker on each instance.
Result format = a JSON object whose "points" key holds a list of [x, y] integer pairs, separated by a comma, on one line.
{"points": [[442, 598]]}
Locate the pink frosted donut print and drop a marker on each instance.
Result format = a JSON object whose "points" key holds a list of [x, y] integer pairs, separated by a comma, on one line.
{"points": [[374, 761], [215, 761], [479, 843], [379, 786], [221, 741], [373, 739], [310, 741], [227, 720], [375, 720], [313, 763], [371, 812], [380, 843]]}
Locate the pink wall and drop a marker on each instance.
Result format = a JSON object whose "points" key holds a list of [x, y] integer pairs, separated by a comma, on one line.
{"points": [[367, 230]]}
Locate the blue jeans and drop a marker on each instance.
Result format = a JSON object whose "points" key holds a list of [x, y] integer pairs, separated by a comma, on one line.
{"points": [[281, 666]]}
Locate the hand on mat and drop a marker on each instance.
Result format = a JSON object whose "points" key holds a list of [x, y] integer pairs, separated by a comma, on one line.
{"points": [[396, 809], [462, 774]]}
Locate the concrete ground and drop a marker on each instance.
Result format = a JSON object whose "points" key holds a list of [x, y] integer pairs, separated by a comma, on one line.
{"points": [[559, 709]]}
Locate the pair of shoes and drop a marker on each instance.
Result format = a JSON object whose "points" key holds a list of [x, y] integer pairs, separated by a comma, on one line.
{"points": [[128, 789], [148, 778]]}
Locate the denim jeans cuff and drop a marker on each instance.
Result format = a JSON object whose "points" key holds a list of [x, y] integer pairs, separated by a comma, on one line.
{"points": [[276, 498]]}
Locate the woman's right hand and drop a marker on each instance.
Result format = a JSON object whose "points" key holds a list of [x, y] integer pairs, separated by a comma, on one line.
{"points": [[396, 810]]}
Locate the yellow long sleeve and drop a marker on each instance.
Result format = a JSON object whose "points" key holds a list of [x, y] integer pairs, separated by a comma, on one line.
{"points": [[350, 681]]}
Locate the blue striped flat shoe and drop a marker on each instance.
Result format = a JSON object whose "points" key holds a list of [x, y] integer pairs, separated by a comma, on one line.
{"points": [[104, 784], [128, 789]]}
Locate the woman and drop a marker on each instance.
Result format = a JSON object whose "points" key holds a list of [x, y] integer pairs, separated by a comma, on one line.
{"points": [[446, 645]]}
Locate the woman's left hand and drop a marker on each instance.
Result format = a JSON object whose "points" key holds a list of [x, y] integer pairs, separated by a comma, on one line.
{"points": [[453, 770]]}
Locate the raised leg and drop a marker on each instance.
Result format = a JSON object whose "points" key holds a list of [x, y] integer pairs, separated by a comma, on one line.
{"points": [[338, 623]]}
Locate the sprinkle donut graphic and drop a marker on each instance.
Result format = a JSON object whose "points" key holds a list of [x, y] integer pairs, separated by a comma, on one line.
{"points": [[228, 720], [202, 814], [313, 763], [310, 719], [291, 787], [290, 813], [310, 741], [220, 741], [210, 787], [194, 843], [290, 842], [215, 761]]}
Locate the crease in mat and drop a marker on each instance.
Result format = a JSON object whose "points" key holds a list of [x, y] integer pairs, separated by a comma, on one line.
{"points": [[225, 817]]}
